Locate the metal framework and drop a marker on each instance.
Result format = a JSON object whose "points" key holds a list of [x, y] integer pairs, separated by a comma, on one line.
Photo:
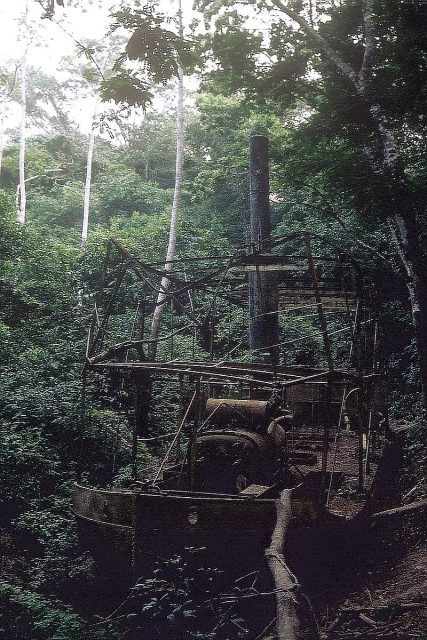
{"points": [[274, 354], [325, 306]]}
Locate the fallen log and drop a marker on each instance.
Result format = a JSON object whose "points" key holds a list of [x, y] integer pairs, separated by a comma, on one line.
{"points": [[287, 587], [367, 620], [398, 606], [377, 626], [413, 506]]}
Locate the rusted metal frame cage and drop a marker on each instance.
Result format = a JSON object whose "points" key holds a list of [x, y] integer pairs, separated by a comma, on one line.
{"points": [[203, 377], [240, 263], [272, 378], [281, 384]]}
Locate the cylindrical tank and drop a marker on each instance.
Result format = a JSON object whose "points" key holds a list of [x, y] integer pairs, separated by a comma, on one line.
{"points": [[223, 411]]}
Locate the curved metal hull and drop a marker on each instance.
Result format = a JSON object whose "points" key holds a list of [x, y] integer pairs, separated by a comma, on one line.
{"points": [[124, 529]]}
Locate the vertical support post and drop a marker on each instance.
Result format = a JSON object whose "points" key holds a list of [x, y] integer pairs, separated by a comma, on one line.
{"points": [[369, 439], [181, 416], [326, 430], [361, 440], [143, 381], [196, 425], [263, 289], [172, 354], [143, 388], [318, 298], [82, 422], [328, 355], [143, 303], [361, 393], [212, 332], [136, 427]]}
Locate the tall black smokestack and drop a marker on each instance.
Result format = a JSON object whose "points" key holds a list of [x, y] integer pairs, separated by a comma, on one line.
{"points": [[263, 290]]}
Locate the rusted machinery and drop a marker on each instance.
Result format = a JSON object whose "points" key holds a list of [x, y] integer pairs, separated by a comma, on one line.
{"points": [[244, 444], [255, 415]]}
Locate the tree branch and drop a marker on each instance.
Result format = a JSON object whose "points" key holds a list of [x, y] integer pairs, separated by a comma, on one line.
{"points": [[133, 344], [365, 72], [331, 53], [335, 215], [359, 80], [421, 505], [86, 50]]}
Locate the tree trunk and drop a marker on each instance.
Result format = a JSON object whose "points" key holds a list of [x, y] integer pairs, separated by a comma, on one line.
{"points": [[89, 162], [22, 205], [86, 204], [165, 283], [403, 211], [2, 119], [413, 258], [407, 236]]}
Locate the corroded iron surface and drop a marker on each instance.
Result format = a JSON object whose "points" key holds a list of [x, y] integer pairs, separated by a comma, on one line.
{"points": [[224, 410]]}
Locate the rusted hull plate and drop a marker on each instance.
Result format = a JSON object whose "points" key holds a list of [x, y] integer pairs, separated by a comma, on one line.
{"points": [[189, 513], [175, 511], [105, 506], [111, 546], [122, 529]]}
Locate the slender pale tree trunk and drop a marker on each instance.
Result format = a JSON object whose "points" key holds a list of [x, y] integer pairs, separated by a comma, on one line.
{"points": [[165, 283], [2, 120], [86, 204], [86, 199], [22, 199], [89, 163]]}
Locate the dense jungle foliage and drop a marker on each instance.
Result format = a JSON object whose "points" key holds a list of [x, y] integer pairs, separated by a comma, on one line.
{"points": [[321, 180]]}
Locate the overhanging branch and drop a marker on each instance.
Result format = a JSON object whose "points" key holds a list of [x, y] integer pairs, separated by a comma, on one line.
{"points": [[331, 53]]}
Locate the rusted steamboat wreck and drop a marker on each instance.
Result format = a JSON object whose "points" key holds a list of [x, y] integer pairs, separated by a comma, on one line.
{"points": [[290, 394]]}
